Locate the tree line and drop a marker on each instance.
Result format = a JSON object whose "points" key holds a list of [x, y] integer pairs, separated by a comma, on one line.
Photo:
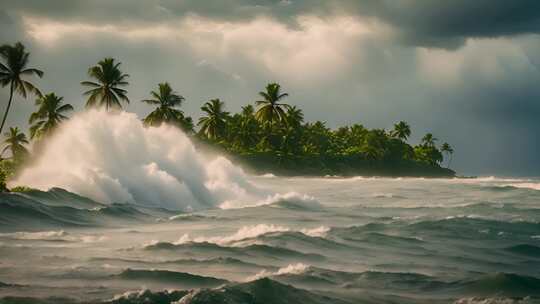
{"points": [[270, 129]]}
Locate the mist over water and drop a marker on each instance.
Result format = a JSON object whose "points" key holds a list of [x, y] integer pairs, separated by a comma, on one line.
{"points": [[113, 158]]}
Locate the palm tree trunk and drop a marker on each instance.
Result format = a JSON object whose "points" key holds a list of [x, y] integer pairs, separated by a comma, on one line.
{"points": [[7, 108]]}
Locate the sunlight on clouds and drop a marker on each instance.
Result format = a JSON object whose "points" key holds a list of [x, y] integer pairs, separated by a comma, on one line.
{"points": [[315, 49], [48, 31]]}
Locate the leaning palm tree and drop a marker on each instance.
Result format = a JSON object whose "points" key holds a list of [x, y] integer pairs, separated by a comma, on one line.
{"points": [[15, 141], [448, 150], [12, 71], [107, 90], [213, 125], [402, 130], [166, 100], [270, 110], [50, 114], [428, 140]]}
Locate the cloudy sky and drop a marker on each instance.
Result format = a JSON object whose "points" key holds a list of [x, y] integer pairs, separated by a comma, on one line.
{"points": [[468, 71]]}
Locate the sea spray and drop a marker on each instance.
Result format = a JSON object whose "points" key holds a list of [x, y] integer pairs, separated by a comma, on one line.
{"points": [[113, 158]]}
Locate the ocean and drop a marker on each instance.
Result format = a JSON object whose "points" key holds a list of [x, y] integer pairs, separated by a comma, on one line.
{"points": [[309, 240]]}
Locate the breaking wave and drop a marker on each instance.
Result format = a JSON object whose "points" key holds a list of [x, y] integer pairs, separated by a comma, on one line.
{"points": [[246, 233], [113, 158]]}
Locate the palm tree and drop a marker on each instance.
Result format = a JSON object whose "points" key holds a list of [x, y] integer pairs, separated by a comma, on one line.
{"points": [[15, 141], [107, 91], [166, 100], [247, 129], [48, 116], [270, 110], [428, 140], [448, 150], [402, 130], [12, 71], [213, 125], [294, 116]]}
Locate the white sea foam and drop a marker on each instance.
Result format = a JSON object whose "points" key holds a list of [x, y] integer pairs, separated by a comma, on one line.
{"points": [[58, 235], [243, 234], [532, 186], [291, 197], [297, 268], [112, 157]]}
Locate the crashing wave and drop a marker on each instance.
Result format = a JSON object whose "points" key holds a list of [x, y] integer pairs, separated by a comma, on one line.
{"points": [[297, 268], [291, 199], [92, 155], [247, 233], [531, 186]]}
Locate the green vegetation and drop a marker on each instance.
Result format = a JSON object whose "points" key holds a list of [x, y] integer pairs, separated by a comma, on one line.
{"points": [[273, 137], [49, 115], [167, 102], [107, 92], [214, 124], [12, 73]]}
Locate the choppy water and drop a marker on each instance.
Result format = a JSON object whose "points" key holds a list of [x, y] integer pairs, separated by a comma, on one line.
{"points": [[355, 240]]}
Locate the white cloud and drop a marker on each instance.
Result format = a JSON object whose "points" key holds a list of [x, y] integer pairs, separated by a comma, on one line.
{"points": [[317, 49]]}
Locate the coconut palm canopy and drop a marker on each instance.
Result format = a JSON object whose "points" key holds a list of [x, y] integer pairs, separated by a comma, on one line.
{"points": [[401, 130], [50, 113], [13, 73], [107, 90], [167, 102], [214, 123], [14, 141], [270, 109]]}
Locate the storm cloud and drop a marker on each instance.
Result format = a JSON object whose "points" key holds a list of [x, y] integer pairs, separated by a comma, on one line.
{"points": [[465, 70]]}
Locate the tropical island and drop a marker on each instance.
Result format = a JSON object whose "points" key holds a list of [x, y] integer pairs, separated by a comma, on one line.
{"points": [[268, 136]]}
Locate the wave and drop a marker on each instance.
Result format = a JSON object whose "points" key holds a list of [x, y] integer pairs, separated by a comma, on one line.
{"points": [[253, 250], [268, 175], [89, 155], [525, 249], [297, 268], [164, 276], [500, 284], [19, 212], [61, 197], [56, 236], [531, 186], [260, 291], [192, 217], [473, 227], [494, 300], [248, 233], [146, 296], [290, 200]]}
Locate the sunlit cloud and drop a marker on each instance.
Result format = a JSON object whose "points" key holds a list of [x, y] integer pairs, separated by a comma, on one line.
{"points": [[315, 49], [49, 31]]}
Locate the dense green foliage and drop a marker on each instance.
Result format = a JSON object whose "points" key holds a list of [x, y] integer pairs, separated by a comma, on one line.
{"points": [[49, 115], [167, 102], [271, 137], [107, 91], [275, 138]]}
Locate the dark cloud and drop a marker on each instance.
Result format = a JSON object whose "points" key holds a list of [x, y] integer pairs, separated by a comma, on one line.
{"points": [[445, 24]]}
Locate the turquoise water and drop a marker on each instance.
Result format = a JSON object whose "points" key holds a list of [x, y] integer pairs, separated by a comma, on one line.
{"points": [[327, 240]]}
